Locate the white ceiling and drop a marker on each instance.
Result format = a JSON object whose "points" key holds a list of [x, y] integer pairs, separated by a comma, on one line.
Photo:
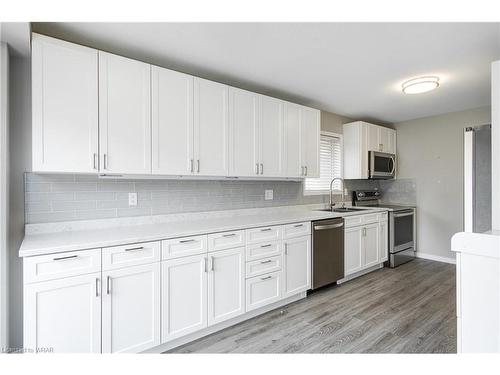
{"points": [[353, 69]]}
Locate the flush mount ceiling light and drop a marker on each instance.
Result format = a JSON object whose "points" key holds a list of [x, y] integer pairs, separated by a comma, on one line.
{"points": [[420, 85]]}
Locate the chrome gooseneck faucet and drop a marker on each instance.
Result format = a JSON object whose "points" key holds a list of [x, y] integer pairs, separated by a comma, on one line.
{"points": [[331, 192]]}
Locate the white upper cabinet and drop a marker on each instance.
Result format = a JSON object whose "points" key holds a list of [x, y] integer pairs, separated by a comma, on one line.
{"points": [[309, 134], [360, 138], [210, 128], [172, 122], [65, 106], [292, 159], [271, 137], [95, 112], [124, 115], [243, 133]]}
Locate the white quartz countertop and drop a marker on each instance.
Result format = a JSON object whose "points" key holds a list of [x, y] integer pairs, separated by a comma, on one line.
{"points": [[186, 225], [484, 244]]}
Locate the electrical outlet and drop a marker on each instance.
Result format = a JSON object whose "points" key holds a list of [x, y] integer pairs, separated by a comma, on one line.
{"points": [[132, 199], [268, 195]]}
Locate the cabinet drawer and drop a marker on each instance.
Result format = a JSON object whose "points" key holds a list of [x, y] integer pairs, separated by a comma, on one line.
{"points": [[370, 218], [352, 221], [226, 240], [263, 250], [130, 255], [297, 229], [256, 235], [263, 290], [181, 247], [262, 266], [55, 266]]}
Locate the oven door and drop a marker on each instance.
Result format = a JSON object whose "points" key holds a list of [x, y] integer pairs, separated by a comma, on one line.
{"points": [[382, 165], [402, 230]]}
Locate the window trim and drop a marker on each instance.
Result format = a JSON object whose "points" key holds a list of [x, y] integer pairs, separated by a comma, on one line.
{"points": [[326, 192]]}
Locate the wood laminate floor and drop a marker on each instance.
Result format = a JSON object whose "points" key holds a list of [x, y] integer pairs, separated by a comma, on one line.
{"points": [[410, 309]]}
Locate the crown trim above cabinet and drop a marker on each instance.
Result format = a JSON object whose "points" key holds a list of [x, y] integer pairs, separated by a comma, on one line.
{"points": [[99, 113]]}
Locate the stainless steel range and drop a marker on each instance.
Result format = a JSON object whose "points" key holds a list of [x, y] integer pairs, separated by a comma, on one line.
{"points": [[402, 226]]}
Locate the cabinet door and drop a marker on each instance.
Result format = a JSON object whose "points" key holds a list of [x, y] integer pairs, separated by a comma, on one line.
{"points": [[172, 122], [371, 245], [383, 254], [65, 108], [210, 128], [184, 296], [131, 309], [292, 163], [353, 249], [309, 134], [64, 314], [373, 141], [226, 285], [296, 265], [271, 137], [243, 133], [124, 115], [391, 142]]}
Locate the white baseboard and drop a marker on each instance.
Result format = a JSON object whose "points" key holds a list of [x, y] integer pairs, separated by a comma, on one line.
{"points": [[436, 258]]}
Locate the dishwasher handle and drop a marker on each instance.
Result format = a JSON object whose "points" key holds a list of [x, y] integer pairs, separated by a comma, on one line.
{"points": [[331, 226]]}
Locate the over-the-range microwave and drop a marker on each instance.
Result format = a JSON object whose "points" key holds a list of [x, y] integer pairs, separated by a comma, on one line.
{"points": [[381, 165]]}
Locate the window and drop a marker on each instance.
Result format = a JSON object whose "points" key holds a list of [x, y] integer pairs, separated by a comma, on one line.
{"points": [[330, 165]]}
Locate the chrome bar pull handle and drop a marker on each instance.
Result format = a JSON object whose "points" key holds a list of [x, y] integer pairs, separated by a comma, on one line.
{"points": [[135, 248], [256, 168], [266, 261], [265, 229], [94, 160], [261, 168], [286, 248], [97, 287], [206, 266], [229, 235], [105, 161], [266, 278], [186, 241], [64, 258], [267, 245], [191, 165], [108, 285], [305, 173], [198, 165], [213, 263]]}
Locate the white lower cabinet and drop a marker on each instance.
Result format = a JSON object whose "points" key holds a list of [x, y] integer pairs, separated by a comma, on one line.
{"points": [[184, 296], [365, 245], [64, 315], [263, 290], [296, 265], [226, 285], [353, 249], [372, 244], [131, 309]]}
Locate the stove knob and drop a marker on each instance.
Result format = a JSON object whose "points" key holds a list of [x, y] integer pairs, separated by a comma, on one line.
{"points": [[377, 193], [361, 195]]}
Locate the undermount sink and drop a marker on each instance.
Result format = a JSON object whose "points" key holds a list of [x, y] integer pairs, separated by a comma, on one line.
{"points": [[341, 209]]}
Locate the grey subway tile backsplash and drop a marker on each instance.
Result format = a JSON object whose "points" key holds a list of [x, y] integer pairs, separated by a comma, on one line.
{"points": [[51, 198]]}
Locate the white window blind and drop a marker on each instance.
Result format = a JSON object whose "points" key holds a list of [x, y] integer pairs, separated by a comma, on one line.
{"points": [[330, 166]]}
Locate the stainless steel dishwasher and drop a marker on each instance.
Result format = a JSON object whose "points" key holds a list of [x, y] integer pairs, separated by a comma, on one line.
{"points": [[328, 252]]}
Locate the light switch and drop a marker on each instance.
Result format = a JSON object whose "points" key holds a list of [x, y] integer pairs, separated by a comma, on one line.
{"points": [[268, 195], [132, 199]]}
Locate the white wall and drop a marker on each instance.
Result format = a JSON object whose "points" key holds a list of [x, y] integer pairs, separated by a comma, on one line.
{"points": [[20, 161], [430, 150], [4, 191]]}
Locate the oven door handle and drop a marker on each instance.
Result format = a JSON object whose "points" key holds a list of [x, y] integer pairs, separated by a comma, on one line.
{"points": [[404, 213]]}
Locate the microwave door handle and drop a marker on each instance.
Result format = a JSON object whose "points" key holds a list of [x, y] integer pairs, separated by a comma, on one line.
{"points": [[393, 159]]}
